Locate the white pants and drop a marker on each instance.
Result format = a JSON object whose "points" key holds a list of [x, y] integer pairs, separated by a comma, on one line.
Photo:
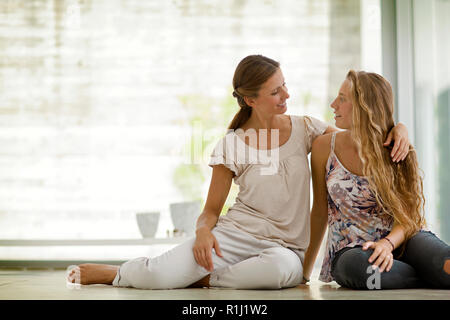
{"points": [[247, 263]]}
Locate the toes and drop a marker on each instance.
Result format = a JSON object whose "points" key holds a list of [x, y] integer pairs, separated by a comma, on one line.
{"points": [[73, 274]]}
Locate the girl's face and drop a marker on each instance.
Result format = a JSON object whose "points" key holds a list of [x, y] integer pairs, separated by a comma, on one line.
{"points": [[272, 96], [342, 106]]}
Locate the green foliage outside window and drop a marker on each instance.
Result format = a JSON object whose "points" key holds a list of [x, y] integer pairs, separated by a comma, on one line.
{"points": [[213, 115]]}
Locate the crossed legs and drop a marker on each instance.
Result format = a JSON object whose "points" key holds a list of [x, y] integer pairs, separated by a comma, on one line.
{"points": [[424, 263]]}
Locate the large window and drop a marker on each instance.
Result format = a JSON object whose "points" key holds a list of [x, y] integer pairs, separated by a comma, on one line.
{"points": [[431, 63], [417, 54], [99, 100]]}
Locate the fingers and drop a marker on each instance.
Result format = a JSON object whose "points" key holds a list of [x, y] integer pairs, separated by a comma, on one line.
{"points": [[405, 149], [388, 140], [209, 254], [375, 254], [204, 255], [390, 264], [395, 150], [385, 263], [204, 258], [367, 245], [209, 260], [401, 142], [203, 252], [196, 257], [200, 257], [381, 257], [378, 253], [400, 150], [217, 248], [384, 259]]}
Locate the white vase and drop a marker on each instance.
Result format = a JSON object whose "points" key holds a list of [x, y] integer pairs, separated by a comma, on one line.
{"points": [[184, 216], [148, 223]]}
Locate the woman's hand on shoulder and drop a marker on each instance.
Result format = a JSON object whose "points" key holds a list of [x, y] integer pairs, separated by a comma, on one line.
{"points": [[398, 134]]}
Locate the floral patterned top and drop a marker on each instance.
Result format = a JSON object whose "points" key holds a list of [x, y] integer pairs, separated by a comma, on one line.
{"points": [[353, 214]]}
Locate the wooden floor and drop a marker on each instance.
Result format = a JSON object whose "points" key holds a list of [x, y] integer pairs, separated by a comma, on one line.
{"points": [[51, 285]]}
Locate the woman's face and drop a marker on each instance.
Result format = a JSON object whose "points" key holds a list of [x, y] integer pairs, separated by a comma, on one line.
{"points": [[272, 96], [342, 106]]}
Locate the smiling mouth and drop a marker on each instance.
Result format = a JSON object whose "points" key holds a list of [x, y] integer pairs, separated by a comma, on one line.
{"points": [[281, 105]]}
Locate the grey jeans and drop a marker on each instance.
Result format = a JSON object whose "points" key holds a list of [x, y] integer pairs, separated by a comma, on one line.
{"points": [[420, 266], [247, 263]]}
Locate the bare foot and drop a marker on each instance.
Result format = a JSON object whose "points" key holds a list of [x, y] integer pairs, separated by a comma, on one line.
{"points": [[203, 282], [90, 273]]}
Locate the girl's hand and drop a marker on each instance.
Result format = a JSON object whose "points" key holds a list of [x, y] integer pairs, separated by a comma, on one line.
{"points": [[382, 252], [202, 249], [401, 142]]}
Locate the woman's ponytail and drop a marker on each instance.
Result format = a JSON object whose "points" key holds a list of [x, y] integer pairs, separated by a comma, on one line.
{"points": [[251, 73]]}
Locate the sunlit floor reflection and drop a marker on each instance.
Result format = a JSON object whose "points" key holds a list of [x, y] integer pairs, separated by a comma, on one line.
{"points": [[48, 284]]}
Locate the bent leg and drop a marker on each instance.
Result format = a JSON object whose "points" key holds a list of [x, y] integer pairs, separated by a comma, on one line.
{"points": [[352, 269], [175, 268], [429, 256], [274, 268]]}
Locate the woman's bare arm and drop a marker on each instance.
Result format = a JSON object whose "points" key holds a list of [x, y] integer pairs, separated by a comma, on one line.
{"points": [[218, 192], [217, 195], [319, 213]]}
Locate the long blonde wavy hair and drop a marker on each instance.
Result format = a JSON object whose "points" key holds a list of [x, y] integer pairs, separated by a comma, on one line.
{"points": [[398, 187]]}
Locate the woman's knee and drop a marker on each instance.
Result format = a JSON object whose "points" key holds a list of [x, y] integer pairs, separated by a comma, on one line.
{"points": [[429, 255], [438, 274], [283, 267], [144, 273], [352, 268], [138, 274]]}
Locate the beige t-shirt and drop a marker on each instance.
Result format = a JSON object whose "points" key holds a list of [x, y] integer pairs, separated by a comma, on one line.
{"points": [[273, 199]]}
